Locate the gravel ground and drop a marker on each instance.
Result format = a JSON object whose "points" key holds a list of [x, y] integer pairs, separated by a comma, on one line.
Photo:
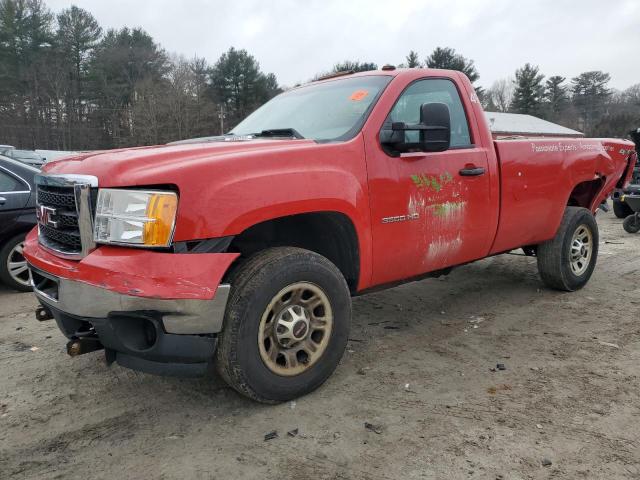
{"points": [[418, 370]]}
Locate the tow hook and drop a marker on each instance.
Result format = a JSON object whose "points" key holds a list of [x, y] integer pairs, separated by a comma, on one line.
{"points": [[80, 346], [43, 314]]}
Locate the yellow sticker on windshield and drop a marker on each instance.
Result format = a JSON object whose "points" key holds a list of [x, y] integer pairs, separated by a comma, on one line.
{"points": [[359, 95]]}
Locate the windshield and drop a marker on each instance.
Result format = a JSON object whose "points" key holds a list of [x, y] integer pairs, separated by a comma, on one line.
{"points": [[334, 110]]}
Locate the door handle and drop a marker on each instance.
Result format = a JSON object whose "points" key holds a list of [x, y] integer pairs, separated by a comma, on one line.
{"points": [[472, 171], [2, 200]]}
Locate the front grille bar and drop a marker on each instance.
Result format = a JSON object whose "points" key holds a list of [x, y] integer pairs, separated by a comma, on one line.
{"points": [[82, 185]]}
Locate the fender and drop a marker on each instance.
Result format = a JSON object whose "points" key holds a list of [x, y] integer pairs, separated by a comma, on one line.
{"points": [[252, 188], [606, 167], [313, 190]]}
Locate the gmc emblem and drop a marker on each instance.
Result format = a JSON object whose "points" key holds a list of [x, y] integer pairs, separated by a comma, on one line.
{"points": [[44, 214]]}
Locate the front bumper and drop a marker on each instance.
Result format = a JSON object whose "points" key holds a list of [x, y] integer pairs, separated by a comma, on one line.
{"points": [[154, 312], [137, 340], [178, 316]]}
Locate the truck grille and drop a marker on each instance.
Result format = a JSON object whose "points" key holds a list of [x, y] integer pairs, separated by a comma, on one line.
{"points": [[62, 197], [59, 226], [67, 240], [65, 215]]}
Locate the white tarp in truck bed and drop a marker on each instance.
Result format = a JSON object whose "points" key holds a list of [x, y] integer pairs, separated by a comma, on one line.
{"points": [[519, 124]]}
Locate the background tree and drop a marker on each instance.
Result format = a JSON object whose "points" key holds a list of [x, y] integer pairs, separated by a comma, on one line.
{"points": [[529, 90], [65, 84], [590, 93], [355, 66], [556, 96], [413, 60], [123, 60], [203, 109], [77, 35], [238, 85], [447, 58], [347, 66], [26, 39], [623, 114], [500, 95]]}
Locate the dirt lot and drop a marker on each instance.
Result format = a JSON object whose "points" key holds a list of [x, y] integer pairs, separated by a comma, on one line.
{"points": [[417, 368]]}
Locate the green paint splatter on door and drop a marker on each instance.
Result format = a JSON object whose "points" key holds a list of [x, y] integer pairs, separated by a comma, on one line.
{"points": [[447, 209], [431, 182]]}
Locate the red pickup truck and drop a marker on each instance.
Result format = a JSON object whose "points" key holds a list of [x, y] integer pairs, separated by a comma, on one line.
{"points": [[243, 251]]}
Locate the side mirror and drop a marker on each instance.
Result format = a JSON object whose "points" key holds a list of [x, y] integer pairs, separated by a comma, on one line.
{"points": [[434, 131]]}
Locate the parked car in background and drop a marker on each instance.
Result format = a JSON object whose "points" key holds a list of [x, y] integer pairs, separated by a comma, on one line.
{"points": [[4, 148], [620, 208], [54, 155], [25, 156], [17, 217]]}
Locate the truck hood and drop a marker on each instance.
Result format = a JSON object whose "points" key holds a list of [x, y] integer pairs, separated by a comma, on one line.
{"points": [[158, 164], [226, 187]]}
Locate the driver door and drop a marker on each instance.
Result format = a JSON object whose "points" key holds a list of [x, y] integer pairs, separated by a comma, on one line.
{"points": [[427, 213]]}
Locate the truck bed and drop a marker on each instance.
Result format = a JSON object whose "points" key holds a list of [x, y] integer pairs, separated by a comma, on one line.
{"points": [[539, 176]]}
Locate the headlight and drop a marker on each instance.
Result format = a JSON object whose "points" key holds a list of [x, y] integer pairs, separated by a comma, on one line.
{"points": [[135, 217]]}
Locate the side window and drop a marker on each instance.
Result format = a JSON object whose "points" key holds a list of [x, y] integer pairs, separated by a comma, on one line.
{"points": [[9, 183], [407, 109]]}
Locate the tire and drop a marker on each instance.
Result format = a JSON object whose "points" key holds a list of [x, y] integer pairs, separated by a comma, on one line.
{"points": [[11, 252], [631, 224], [247, 357], [621, 209], [555, 264]]}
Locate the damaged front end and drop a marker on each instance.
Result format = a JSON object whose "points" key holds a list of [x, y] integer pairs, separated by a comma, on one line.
{"points": [[157, 312]]}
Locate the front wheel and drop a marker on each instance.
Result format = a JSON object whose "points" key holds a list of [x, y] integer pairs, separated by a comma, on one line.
{"points": [[567, 261], [286, 325], [631, 224]]}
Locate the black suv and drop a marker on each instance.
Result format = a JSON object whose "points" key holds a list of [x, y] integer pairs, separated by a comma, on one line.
{"points": [[17, 217]]}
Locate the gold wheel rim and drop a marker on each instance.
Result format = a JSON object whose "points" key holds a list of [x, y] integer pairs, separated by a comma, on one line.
{"points": [[581, 250], [295, 329]]}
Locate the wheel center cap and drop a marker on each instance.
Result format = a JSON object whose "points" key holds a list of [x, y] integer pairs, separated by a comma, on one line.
{"points": [[292, 325], [299, 329]]}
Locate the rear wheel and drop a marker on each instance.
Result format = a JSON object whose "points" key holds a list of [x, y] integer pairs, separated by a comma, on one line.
{"points": [[621, 209], [567, 261], [286, 325], [14, 271], [631, 224]]}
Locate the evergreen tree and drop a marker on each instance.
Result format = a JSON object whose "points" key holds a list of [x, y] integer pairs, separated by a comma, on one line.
{"points": [[123, 60], [556, 94], [63, 85], [25, 44], [590, 93], [448, 59], [413, 60], [238, 84], [529, 90], [77, 35], [348, 66]]}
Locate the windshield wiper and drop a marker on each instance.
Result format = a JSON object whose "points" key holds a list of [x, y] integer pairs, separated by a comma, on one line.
{"points": [[275, 133]]}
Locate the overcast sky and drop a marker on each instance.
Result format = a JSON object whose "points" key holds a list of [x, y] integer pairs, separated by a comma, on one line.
{"points": [[295, 39]]}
